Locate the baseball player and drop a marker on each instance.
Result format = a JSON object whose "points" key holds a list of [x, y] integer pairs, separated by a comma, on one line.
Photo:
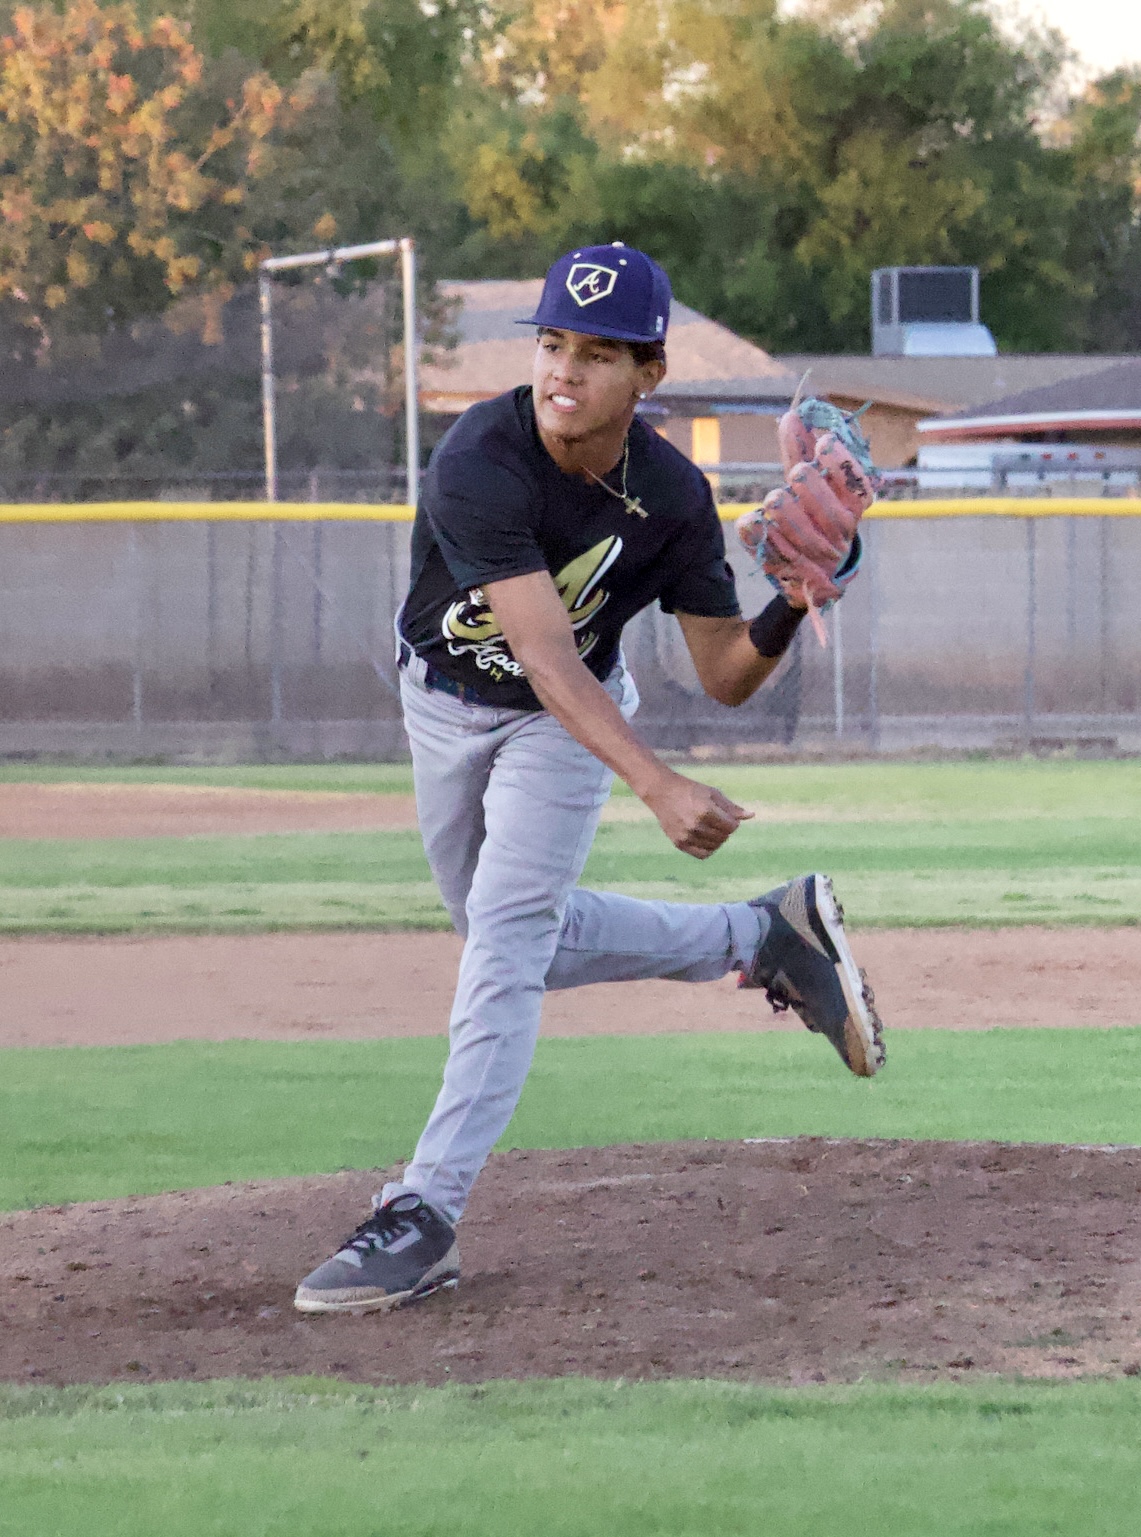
{"points": [[549, 517]]}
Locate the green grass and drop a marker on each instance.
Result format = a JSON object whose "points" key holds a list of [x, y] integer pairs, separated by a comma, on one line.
{"points": [[302, 880], [88, 1124], [1019, 787], [342, 778], [889, 873], [970, 844], [309, 1458], [1022, 787]]}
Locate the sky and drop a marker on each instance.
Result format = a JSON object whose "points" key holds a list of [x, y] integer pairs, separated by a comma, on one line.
{"points": [[1106, 33]]}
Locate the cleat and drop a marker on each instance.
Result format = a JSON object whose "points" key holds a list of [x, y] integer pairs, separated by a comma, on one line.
{"points": [[804, 963], [403, 1253]]}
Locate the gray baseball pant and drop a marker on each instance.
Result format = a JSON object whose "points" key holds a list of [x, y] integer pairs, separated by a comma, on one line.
{"points": [[508, 803]]}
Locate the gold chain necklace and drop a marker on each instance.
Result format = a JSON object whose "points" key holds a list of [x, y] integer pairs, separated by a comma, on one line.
{"points": [[632, 504]]}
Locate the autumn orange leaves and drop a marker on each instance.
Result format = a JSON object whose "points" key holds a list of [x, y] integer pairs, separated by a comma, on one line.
{"points": [[127, 165]]}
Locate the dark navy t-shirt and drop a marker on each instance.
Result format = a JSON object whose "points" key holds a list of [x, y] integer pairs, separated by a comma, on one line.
{"points": [[494, 504]]}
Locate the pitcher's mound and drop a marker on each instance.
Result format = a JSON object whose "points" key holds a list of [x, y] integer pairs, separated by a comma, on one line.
{"points": [[789, 1261]]}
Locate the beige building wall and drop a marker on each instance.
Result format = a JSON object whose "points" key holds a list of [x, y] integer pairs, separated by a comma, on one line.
{"points": [[744, 439], [678, 430], [749, 439], [890, 430]]}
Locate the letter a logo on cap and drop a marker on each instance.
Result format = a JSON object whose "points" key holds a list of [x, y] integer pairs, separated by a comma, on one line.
{"points": [[587, 282]]}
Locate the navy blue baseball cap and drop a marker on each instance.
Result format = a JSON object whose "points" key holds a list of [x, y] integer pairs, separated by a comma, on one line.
{"points": [[606, 290]]}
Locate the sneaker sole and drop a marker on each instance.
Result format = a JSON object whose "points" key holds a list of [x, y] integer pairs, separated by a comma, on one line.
{"points": [[863, 1028], [383, 1302]]}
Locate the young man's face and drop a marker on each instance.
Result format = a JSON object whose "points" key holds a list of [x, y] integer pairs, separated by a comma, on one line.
{"points": [[586, 385]]}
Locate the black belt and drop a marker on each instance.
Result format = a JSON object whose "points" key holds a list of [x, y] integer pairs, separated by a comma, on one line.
{"points": [[439, 681]]}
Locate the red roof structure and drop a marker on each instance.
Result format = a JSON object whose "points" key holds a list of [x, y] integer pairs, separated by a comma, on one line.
{"points": [[1104, 403]]}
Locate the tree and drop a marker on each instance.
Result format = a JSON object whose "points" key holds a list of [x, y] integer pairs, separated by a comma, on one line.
{"points": [[1103, 135], [126, 169], [777, 161], [141, 181]]}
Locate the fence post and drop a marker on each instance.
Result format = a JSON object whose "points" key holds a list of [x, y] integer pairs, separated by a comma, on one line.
{"points": [[248, 630], [211, 610], [318, 593], [1031, 629], [268, 392], [1103, 613], [871, 547], [134, 568], [275, 630]]}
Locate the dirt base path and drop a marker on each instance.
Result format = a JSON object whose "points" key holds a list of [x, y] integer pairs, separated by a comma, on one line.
{"points": [[288, 986], [131, 991], [181, 811], [790, 1262]]}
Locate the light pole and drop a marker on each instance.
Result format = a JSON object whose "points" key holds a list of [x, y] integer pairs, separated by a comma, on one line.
{"points": [[266, 270]]}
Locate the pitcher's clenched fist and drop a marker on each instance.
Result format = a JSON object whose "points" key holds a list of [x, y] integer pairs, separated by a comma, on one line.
{"points": [[696, 818]]}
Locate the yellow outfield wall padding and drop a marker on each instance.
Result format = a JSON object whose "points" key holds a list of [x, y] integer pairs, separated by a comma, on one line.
{"points": [[1012, 507], [395, 512], [988, 507]]}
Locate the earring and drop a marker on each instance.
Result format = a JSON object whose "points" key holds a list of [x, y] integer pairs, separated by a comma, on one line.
{"points": [[641, 395]]}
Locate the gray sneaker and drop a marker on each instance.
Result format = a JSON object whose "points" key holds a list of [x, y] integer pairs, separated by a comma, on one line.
{"points": [[804, 963], [403, 1253]]}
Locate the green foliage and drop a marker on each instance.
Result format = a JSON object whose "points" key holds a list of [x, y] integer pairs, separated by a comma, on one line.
{"points": [[1105, 161], [398, 57], [136, 1120], [771, 163], [199, 427], [262, 1459]]}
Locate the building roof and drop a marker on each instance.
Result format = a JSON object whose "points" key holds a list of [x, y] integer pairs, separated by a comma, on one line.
{"points": [[707, 361], [1104, 399], [937, 386]]}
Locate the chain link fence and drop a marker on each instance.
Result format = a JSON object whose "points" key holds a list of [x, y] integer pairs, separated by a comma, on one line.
{"points": [[219, 638], [382, 485]]}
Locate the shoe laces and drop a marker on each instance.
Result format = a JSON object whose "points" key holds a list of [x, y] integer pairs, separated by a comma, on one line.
{"points": [[386, 1224], [779, 993]]}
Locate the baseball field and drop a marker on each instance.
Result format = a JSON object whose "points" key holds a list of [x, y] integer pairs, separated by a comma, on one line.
{"points": [[712, 1284]]}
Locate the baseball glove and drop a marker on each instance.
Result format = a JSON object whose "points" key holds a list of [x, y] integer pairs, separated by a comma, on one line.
{"points": [[805, 535]]}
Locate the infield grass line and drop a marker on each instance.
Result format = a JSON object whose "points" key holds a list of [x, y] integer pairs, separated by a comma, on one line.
{"points": [[929, 900], [571, 1458], [977, 787], [957, 871], [81, 1123], [990, 843], [334, 778]]}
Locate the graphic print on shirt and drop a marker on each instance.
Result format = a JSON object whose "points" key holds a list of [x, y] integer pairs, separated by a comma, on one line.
{"points": [[471, 629]]}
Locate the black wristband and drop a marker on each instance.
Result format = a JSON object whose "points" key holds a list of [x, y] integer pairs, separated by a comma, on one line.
{"points": [[771, 632]]}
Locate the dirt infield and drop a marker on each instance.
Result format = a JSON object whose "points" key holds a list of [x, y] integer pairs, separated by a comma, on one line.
{"points": [[132, 991], [797, 1262], [180, 811], [76, 810], [790, 1262]]}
